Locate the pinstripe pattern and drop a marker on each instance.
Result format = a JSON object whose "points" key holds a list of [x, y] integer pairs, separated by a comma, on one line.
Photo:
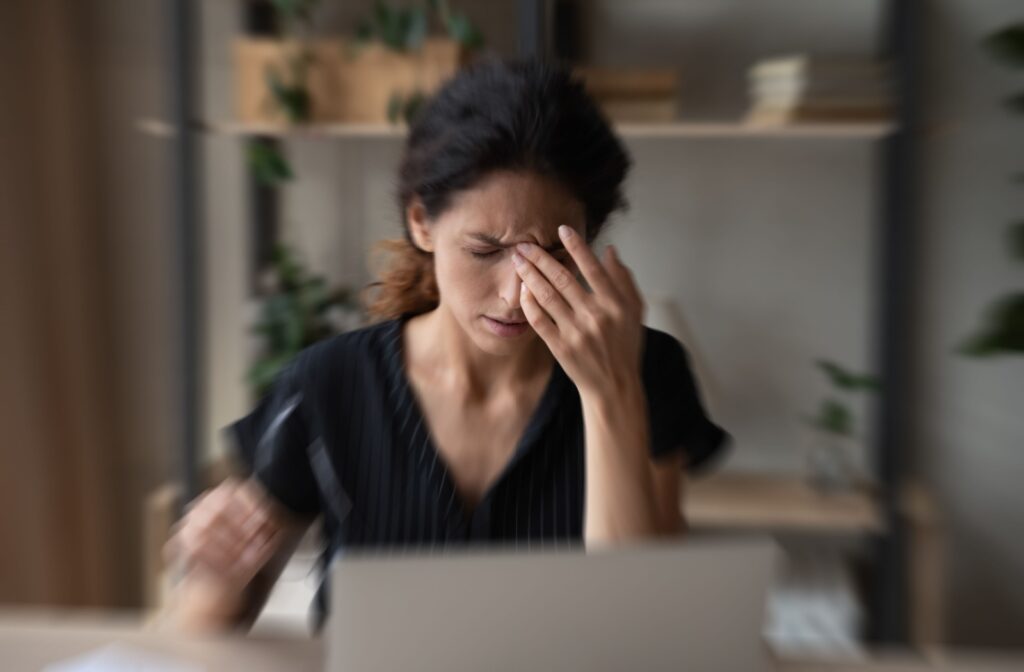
{"points": [[347, 403]]}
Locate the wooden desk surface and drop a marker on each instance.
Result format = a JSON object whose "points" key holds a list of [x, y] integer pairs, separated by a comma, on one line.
{"points": [[32, 639], [782, 503]]}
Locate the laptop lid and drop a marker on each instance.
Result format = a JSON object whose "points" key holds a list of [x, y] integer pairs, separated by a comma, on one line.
{"points": [[696, 605]]}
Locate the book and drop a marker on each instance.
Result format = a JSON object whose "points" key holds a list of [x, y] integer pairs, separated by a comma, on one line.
{"points": [[628, 82], [640, 109]]}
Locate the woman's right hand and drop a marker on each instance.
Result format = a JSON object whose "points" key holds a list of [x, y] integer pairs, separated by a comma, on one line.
{"points": [[227, 535]]}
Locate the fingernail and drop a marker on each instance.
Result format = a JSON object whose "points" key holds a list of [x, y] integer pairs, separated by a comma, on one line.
{"points": [[517, 260], [524, 247], [565, 232]]}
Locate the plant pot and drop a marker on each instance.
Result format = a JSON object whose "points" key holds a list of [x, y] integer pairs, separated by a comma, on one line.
{"points": [[346, 82], [369, 76], [254, 58]]}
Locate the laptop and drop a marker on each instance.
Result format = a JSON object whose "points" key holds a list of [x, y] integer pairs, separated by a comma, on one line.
{"points": [[696, 606]]}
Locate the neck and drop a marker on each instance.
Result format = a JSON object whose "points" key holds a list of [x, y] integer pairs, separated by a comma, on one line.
{"points": [[443, 349]]}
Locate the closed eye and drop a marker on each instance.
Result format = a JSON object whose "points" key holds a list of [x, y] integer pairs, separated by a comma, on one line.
{"points": [[483, 255]]}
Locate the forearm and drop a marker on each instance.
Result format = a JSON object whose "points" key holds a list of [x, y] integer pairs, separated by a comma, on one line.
{"points": [[621, 500]]}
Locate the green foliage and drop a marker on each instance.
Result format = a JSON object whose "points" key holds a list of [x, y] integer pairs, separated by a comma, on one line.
{"points": [[267, 164], [292, 317], [846, 380], [1003, 330], [294, 14], [458, 25], [1007, 45], [833, 415], [406, 28], [290, 92], [404, 108]]}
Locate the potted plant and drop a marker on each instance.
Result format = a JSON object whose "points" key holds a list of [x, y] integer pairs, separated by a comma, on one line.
{"points": [[834, 440], [289, 79], [397, 57], [297, 310]]}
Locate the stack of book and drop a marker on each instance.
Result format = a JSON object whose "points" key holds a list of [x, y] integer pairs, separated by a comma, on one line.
{"points": [[806, 89], [633, 95]]}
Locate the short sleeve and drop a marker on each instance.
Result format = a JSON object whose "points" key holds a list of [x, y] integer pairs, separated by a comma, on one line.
{"points": [[272, 442], [677, 417]]}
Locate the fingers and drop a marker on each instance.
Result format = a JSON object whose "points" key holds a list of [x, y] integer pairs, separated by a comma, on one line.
{"points": [[228, 530], [592, 269], [560, 278], [623, 278], [539, 320], [544, 294]]}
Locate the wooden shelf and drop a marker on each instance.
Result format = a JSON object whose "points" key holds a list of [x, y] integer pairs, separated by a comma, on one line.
{"points": [[777, 503], [680, 129]]}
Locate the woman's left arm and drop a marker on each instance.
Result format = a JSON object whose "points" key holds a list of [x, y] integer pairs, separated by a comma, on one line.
{"points": [[597, 338]]}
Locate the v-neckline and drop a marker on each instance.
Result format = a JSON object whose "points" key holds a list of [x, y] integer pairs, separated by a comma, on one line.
{"points": [[536, 422]]}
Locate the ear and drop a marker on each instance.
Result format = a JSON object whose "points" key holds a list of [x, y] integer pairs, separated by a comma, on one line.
{"points": [[419, 225]]}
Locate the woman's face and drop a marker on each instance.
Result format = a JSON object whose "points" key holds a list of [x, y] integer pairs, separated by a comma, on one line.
{"points": [[473, 242]]}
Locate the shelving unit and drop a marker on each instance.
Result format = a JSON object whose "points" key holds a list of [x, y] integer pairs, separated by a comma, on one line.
{"points": [[682, 129], [878, 514]]}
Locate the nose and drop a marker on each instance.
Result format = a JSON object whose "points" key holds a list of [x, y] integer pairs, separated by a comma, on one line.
{"points": [[508, 284]]}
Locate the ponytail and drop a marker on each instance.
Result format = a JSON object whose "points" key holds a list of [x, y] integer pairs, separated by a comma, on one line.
{"points": [[407, 283]]}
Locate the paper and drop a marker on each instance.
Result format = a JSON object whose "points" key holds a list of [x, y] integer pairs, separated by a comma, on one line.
{"points": [[121, 658]]}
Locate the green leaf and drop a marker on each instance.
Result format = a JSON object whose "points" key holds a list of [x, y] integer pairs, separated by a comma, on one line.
{"points": [[462, 30], [835, 417], [847, 380], [416, 32], [293, 317], [395, 107], [267, 165], [412, 106], [1007, 45], [291, 98], [264, 371], [1002, 332]]}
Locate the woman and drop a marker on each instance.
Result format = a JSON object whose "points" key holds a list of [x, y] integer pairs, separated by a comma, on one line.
{"points": [[509, 394]]}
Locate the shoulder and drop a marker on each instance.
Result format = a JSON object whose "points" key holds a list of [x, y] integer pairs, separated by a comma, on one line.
{"points": [[662, 353], [362, 346]]}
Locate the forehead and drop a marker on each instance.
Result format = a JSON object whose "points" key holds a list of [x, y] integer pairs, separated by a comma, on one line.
{"points": [[512, 206]]}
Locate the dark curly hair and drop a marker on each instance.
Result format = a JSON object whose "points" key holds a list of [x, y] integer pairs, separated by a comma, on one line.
{"points": [[498, 115]]}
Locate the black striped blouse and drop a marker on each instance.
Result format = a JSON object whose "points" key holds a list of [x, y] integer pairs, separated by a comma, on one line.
{"points": [[341, 434]]}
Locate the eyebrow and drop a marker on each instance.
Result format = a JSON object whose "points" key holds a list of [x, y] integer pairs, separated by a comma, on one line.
{"points": [[491, 240]]}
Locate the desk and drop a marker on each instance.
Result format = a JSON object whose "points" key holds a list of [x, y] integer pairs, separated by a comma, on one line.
{"points": [[31, 639]]}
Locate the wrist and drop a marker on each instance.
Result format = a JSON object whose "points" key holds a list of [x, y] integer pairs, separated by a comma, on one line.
{"points": [[624, 395]]}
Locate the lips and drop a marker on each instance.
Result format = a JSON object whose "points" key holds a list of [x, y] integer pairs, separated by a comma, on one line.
{"points": [[508, 320], [506, 327]]}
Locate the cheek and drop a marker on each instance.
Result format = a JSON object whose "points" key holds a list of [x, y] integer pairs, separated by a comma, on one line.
{"points": [[462, 278]]}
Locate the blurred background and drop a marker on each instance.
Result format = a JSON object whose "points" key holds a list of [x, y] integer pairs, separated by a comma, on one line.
{"points": [[827, 206]]}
